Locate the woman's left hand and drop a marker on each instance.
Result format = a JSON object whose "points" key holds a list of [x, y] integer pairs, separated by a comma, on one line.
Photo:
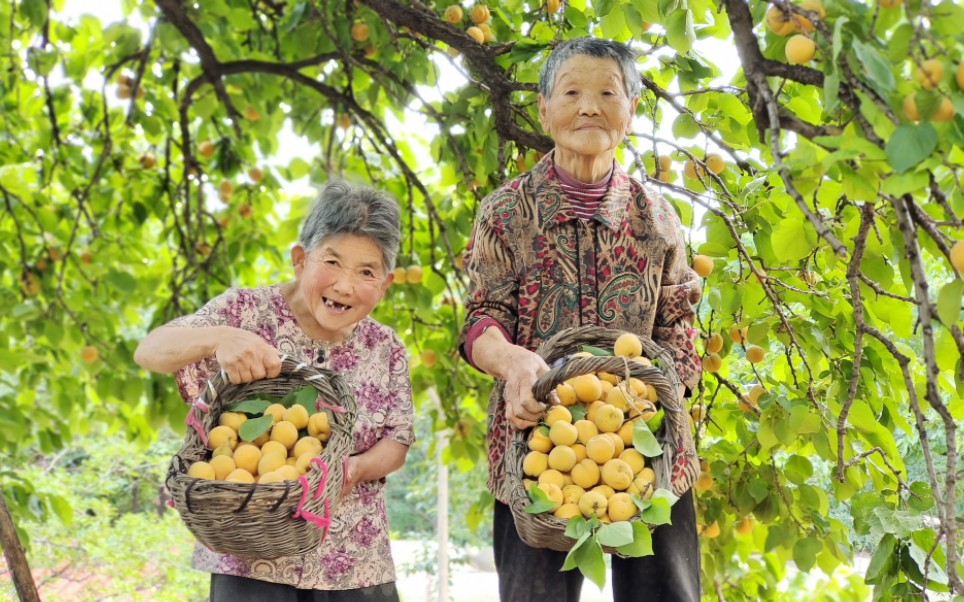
{"points": [[349, 469]]}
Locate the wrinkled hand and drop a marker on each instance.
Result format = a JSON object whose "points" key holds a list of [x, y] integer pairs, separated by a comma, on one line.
{"points": [[521, 407], [349, 469], [246, 357]]}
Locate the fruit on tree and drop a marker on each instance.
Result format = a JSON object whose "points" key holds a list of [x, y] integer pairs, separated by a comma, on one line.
{"points": [[778, 21], [552, 6], [800, 49], [755, 354], [255, 174], [691, 170], [453, 14], [702, 265], [479, 14], [957, 256], [909, 106], [147, 160], [929, 73], [712, 530], [252, 113], [704, 482], [487, 34], [476, 34], [206, 148], [89, 354], [712, 362], [413, 274], [745, 525], [428, 358], [801, 23], [359, 32], [715, 163], [737, 334], [944, 112], [714, 343]]}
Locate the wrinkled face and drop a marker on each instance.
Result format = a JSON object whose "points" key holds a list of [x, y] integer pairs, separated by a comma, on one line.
{"points": [[341, 281], [588, 113]]}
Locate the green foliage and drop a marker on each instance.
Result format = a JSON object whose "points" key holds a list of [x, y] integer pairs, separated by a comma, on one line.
{"points": [[830, 228], [117, 538]]}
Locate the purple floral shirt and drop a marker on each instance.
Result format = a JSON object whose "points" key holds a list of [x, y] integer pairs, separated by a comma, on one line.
{"points": [[356, 552]]}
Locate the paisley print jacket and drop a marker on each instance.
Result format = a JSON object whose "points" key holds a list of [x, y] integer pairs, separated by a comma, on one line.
{"points": [[536, 268]]}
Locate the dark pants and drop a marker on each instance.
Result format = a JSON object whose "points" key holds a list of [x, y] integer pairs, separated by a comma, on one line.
{"points": [[671, 574], [228, 588]]}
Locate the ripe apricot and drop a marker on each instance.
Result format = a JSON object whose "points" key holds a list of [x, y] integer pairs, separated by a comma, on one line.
{"points": [[703, 265], [453, 14], [627, 345], [714, 343]]}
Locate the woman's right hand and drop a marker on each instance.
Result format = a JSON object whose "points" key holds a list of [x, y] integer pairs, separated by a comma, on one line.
{"points": [[523, 367], [246, 357]]}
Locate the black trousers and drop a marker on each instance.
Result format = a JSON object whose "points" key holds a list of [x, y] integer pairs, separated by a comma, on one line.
{"points": [[671, 574], [229, 588]]}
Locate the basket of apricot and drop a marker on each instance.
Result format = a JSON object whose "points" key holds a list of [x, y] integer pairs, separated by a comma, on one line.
{"points": [[613, 451], [260, 469]]}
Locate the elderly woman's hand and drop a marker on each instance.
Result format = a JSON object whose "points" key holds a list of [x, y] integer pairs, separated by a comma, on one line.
{"points": [[246, 357], [523, 367]]}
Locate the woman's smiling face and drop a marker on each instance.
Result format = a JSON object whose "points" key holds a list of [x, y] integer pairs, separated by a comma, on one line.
{"points": [[588, 112], [340, 282]]}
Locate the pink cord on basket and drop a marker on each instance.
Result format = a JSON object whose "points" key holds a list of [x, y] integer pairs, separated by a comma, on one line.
{"points": [[321, 522], [192, 420], [321, 403]]}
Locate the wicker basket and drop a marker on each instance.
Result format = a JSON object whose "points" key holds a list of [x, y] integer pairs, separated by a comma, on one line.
{"points": [[264, 521], [544, 530]]}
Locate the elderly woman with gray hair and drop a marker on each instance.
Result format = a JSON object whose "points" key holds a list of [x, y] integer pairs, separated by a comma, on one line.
{"points": [[577, 242], [343, 264]]}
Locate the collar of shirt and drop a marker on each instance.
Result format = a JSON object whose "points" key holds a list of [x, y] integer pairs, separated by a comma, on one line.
{"points": [[554, 207]]}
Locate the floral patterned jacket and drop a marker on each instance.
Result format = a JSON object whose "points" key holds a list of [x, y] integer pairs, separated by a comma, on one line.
{"points": [[356, 552], [536, 268]]}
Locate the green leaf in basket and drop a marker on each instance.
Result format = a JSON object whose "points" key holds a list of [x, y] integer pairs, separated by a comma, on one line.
{"points": [[588, 558], [645, 441], [254, 428], [642, 544], [577, 528], [540, 501], [306, 396], [596, 350], [578, 412], [248, 406], [655, 421], [657, 509], [615, 534]]}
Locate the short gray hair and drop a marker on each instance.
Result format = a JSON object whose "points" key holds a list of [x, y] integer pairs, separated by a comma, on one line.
{"points": [[624, 56], [343, 208]]}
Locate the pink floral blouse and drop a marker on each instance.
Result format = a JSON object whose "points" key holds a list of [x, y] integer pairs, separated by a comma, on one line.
{"points": [[356, 552]]}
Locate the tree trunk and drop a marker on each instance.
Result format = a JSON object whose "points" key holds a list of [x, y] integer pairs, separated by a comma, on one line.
{"points": [[16, 560], [442, 527]]}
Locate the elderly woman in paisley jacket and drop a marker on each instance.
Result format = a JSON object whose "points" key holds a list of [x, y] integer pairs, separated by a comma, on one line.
{"points": [[577, 242]]}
